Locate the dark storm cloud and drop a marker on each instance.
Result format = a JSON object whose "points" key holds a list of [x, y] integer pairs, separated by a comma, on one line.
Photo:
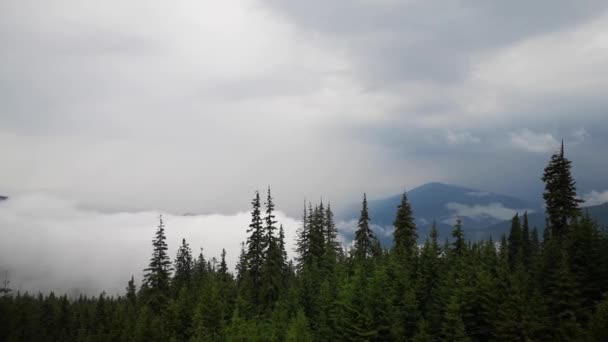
{"points": [[397, 41]]}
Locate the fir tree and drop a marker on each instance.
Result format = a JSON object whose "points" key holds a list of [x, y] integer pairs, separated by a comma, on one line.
{"points": [[158, 273], [256, 253], [526, 240], [184, 265], [364, 236], [131, 291], [459, 245], [515, 242], [561, 202], [405, 235]]}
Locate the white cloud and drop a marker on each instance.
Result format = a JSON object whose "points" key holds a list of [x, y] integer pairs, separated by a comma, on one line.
{"points": [[495, 210], [595, 198], [530, 141], [49, 243]]}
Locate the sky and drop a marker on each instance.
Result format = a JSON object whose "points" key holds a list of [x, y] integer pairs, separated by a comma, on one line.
{"points": [[145, 106]]}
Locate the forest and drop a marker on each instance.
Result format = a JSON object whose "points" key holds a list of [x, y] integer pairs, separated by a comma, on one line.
{"points": [[533, 284]]}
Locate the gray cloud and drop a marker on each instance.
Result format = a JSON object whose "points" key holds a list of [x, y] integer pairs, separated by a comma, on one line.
{"points": [[146, 105]]}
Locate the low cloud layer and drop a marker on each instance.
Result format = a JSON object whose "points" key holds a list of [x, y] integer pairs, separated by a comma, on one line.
{"points": [[495, 210], [52, 244], [595, 198]]}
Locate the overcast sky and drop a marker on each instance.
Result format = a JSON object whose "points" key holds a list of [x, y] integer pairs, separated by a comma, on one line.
{"points": [[190, 106]]}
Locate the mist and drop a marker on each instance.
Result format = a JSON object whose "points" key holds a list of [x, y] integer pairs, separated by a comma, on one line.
{"points": [[54, 244]]}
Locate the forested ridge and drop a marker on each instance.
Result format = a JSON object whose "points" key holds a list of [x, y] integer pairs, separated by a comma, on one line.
{"points": [[517, 287]]}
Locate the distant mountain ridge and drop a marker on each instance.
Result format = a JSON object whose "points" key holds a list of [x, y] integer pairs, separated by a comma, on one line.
{"points": [[483, 213]]}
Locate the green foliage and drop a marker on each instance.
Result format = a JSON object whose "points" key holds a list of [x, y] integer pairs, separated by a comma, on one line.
{"points": [[561, 201], [365, 240], [158, 273], [520, 289], [405, 234]]}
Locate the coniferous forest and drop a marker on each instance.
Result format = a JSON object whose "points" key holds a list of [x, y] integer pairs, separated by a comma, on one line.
{"points": [[533, 284]]}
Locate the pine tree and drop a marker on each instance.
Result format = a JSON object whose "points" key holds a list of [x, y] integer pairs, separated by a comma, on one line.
{"points": [[273, 267], [405, 235], [158, 273], [303, 241], [332, 247], [599, 322], [298, 330], [515, 242], [241, 266], [453, 328], [256, 253], [459, 245], [184, 265], [526, 240], [131, 291], [561, 202], [364, 236], [269, 220], [223, 270]]}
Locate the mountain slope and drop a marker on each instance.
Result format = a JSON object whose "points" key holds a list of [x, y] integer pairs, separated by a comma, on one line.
{"points": [[443, 203]]}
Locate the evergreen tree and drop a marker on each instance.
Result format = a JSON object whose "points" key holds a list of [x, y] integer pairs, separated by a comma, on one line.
{"points": [[453, 328], [223, 270], [256, 251], [364, 237], [241, 266], [561, 202], [298, 330], [515, 242], [184, 265], [158, 273], [526, 240], [405, 235], [131, 291], [459, 245]]}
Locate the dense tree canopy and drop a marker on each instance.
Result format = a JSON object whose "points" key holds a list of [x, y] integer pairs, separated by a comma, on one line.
{"points": [[519, 289]]}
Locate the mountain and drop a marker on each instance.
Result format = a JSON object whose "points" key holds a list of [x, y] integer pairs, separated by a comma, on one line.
{"points": [[443, 203]]}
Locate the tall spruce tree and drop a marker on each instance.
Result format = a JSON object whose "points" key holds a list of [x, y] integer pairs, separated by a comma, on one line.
{"points": [[303, 241], [256, 251], [459, 244], [526, 240], [515, 242], [561, 202], [365, 239], [405, 235], [184, 265], [158, 273]]}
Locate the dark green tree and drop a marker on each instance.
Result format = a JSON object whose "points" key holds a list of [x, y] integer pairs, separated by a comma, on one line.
{"points": [[158, 273], [184, 265], [459, 244], [365, 238], [405, 235], [561, 201], [256, 252], [515, 242]]}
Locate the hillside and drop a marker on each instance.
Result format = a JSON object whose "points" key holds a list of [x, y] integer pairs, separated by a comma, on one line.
{"points": [[443, 203]]}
